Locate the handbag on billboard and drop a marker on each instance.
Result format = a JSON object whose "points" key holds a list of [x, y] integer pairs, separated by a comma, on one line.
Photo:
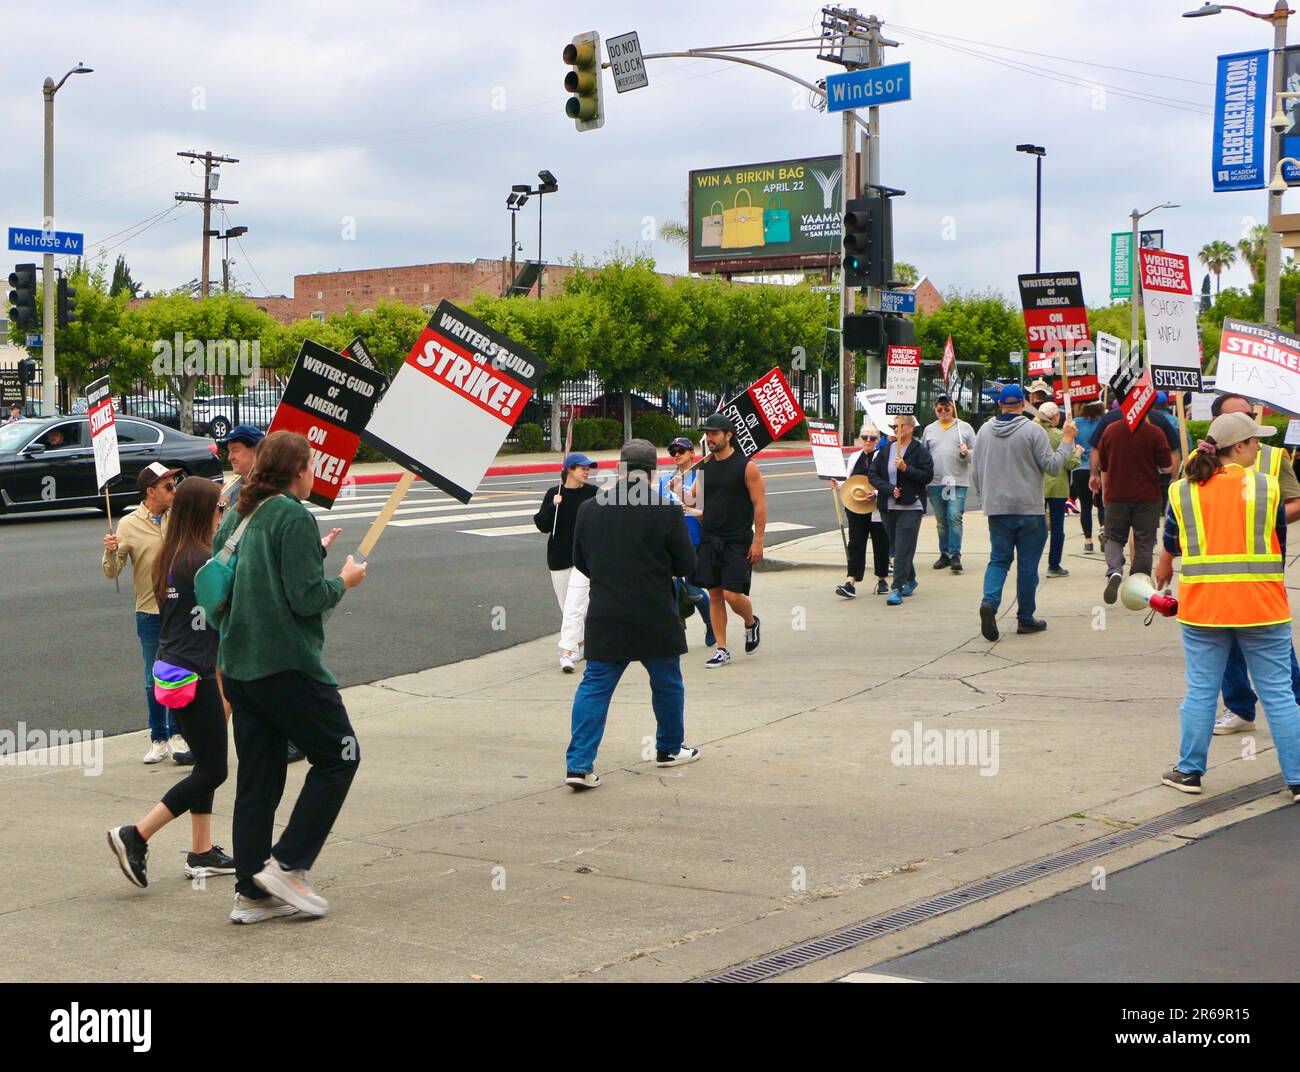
{"points": [[776, 222], [711, 231], [742, 225]]}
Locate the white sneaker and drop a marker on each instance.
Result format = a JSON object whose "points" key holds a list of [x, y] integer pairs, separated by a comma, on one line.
{"points": [[566, 663], [247, 910], [590, 780], [721, 657], [676, 759], [1227, 723], [178, 744], [158, 751], [291, 887]]}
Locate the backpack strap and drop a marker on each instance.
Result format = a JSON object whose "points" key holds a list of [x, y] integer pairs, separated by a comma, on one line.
{"points": [[228, 548]]}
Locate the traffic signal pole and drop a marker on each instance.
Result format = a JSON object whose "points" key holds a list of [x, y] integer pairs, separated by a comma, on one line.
{"points": [[848, 362], [49, 379]]}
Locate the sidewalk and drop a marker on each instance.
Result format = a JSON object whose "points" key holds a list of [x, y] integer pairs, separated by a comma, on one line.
{"points": [[461, 855]]}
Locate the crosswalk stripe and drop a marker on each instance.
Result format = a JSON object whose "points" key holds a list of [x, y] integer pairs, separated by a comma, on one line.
{"points": [[785, 526], [431, 509], [505, 530], [453, 519]]}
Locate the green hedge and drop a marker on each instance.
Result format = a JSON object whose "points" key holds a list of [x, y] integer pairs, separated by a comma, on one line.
{"points": [[530, 438], [795, 431], [597, 433], [659, 428], [1199, 429]]}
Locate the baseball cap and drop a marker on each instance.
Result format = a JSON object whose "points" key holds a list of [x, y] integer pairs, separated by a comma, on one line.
{"points": [[1049, 411], [1040, 385], [683, 442], [639, 454], [718, 422], [1162, 398], [943, 399], [1011, 394], [1228, 429], [570, 460], [152, 473], [247, 434]]}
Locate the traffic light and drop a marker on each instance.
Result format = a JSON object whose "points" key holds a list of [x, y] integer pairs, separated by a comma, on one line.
{"points": [[868, 242], [67, 303], [899, 331], [26, 370], [22, 296], [864, 331], [586, 106]]}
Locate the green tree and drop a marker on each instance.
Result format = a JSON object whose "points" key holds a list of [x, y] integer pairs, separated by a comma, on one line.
{"points": [[122, 280], [906, 274], [985, 326], [1216, 256], [1252, 248]]}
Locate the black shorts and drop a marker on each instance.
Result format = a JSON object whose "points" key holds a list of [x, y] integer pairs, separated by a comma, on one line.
{"points": [[724, 565]]}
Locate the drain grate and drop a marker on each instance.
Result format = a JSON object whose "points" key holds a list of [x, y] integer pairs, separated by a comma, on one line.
{"points": [[828, 945]]}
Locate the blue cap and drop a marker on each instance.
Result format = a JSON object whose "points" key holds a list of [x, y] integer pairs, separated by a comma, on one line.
{"points": [[1162, 398], [576, 459], [247, 434], [1011, 394], [682, 441]]}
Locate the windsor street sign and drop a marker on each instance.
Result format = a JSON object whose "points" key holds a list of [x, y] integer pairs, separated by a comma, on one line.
{"points": [[869, 87], [34, 240]]}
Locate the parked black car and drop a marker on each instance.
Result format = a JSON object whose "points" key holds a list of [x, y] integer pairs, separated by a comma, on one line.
{"points": [[49, 464], [151, 409]]}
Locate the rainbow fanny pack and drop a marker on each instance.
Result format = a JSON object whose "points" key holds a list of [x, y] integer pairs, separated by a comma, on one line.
{"points": [[174, 686]]}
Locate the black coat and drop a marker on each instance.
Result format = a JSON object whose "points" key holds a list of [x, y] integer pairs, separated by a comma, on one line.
{"points": [[912, 483], [632, 546], [559, 544]]}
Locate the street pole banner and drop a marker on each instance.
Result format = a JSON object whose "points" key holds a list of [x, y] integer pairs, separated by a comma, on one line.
{"points": [[1172, 342], [1108, 351], [328, 399], [1139, 400], [103, 431], [827, 455], [1261, 363], [453, 402], [1241, 109], [902, 379], [1121, 265], [1055, 318], [763, 412]]}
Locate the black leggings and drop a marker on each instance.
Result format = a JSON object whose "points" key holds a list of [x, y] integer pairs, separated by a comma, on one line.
{"points": [[1080, 490], [203, 722], [860, 527]]}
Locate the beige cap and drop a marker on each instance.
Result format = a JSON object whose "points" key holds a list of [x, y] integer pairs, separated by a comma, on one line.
{"points": [[1049, 411], [1228, 429], [1040, 385]]}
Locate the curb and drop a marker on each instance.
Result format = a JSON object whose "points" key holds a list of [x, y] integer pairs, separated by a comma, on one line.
{"points": [[534, 468]]}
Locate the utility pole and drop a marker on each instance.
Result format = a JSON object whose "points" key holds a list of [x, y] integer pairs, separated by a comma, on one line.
{"points": [[1273, 246], [207, 201]]}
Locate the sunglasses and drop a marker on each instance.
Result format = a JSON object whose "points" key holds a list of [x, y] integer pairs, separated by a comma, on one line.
{"points": [[169, 486], [675, 451]]}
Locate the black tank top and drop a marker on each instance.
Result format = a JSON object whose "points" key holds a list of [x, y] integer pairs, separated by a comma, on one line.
{"points": [[728, 509]]}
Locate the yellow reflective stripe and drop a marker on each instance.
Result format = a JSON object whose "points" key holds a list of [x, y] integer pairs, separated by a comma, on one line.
{"points": [[1198, 522], [1239, 577], [1266, 557], [1180, 497], [1269, 454], [1254, 520]]}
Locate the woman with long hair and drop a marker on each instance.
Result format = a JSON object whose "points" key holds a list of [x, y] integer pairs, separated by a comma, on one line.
{"points": [[185, 681], [272, 632], [1227, 521]]}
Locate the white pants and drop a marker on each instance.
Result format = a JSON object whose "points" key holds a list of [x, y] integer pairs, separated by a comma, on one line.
{"points": [[572, 591]]}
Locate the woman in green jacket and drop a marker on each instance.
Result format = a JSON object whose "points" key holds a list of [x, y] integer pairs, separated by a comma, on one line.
{"points": [[272, 631], [1056, 489]]}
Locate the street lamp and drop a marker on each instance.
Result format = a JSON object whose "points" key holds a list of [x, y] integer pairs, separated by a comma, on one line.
{"points": [[1273, 245], [49, 380], [1039, 152], [1135, 264], [548, 185], [234, 232], [517, 199]]}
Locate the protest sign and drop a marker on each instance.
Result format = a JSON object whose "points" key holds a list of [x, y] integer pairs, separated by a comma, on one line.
{"points": [[873, 402], [1108, 354], [902, 379], [1140, 398], [1081, 372], [1056, 318], [103, 432], [827, 455], [358, 351], [763, 412], [453, 401], [1203, 400], [328, 399], [1292, 438], [948, 363], [1261, 363], [1172, 342]]}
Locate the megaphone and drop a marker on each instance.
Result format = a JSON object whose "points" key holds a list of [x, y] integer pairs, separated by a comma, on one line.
{"points": [[1138, 592]]}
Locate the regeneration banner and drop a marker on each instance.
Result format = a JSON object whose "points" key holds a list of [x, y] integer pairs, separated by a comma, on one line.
{"points": [[827, 455], [452, 403], [902, 379], [1056, 319], [1261, 363], [763, 412], [1238, 160], [1172, 342], [328, 399], [103, 431]]}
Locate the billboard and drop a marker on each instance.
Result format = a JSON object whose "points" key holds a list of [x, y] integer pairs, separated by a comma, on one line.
{"points": [[779, 216]]}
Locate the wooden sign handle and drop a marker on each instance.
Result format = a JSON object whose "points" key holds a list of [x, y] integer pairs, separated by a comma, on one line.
{"points": [[386, 514]]}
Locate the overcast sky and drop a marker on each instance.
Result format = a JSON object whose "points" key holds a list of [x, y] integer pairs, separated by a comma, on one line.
{"points": [[414, 119]]}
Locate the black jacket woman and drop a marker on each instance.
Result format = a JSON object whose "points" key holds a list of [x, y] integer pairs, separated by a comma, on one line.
{"points": [[901, 473], [864, 527]]}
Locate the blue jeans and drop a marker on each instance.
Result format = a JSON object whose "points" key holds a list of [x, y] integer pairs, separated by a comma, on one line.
{"points": [[1267, 650], [1020, 536], [1238, 696], [1056, 518], [948, 501], [700, 597], [591, 706], [161, 724]]}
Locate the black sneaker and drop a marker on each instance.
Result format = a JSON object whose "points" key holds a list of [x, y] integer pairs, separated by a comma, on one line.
{"points": [[295, 754], [942, 562], [989, 621], [751, 637], [206, 864], [183, 759], [580, 781], [956, 563], [1184, 783], [132, 852], [882, 587], [682, 756], [721, 657], [848, 590], [1112, 587], [1057, 571], [1030, 625]]}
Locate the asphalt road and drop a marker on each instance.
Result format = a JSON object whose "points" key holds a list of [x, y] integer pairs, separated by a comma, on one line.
{"points": [[69, 657]]}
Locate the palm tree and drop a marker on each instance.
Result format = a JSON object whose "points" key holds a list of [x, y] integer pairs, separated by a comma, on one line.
{"points": [[676, 232], [1216, 256], [1252, 248], [906, 273]]}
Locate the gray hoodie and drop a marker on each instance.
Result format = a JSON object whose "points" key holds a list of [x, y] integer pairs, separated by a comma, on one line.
{"points": [[1012, 455]]}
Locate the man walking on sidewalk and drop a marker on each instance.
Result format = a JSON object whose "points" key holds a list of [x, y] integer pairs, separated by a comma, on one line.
{"points": [[731, 494], [631, 544], [1012, 454], [951, 443], [1129, 464]]}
